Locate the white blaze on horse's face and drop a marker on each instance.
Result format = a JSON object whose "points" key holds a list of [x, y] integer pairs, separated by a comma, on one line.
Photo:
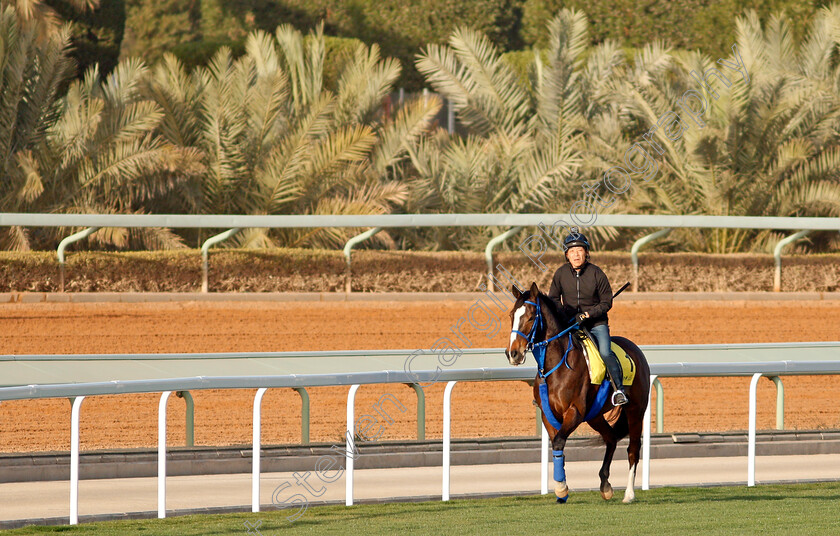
{"points": [[517, 318], [516, 357]]}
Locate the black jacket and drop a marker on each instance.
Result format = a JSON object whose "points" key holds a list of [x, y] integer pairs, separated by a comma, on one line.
{"points": [[587, 291]]}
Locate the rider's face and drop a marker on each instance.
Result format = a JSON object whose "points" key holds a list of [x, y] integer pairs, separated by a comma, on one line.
{"points": [[576, 256]]}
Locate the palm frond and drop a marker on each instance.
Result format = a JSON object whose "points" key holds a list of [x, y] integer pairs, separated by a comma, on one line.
{"points": [[364, 83], [411, 122], [15, 238], [303, 62]]}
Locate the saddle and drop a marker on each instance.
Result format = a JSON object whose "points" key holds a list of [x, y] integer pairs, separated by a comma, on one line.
{"points": [[597, 370]]}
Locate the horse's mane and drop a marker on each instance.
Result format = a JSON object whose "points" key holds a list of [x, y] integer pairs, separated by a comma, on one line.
{"points": [[559, 317]]}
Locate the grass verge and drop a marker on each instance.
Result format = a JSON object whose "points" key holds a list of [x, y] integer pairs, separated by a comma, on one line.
{"points": [[768, 509]]}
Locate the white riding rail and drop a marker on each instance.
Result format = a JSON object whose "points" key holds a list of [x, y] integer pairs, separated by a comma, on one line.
{"points": [[670, 361]]}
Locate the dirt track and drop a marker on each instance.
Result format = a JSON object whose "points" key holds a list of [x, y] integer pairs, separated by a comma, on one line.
{"points": [[486, 409]]}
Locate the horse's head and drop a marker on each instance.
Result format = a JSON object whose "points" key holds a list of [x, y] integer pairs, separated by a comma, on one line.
{"points": [[525, 320]]}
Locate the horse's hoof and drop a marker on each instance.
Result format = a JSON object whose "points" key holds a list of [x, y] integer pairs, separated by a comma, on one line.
{"points": [[607, 492], [628, 499], [561, 491]]}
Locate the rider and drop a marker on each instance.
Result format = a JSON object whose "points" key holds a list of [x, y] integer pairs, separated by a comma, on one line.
{"points": [[582, 290]]}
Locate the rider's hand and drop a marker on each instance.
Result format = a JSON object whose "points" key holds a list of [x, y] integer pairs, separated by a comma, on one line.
{"points": [[580, 317]]}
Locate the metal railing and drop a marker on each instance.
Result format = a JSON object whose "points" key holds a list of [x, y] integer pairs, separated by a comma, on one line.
{"points": [[830, 352], [42, 370], [515, 221]]}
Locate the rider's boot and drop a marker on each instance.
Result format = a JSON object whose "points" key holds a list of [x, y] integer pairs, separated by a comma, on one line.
{"points": [[619, 397]]}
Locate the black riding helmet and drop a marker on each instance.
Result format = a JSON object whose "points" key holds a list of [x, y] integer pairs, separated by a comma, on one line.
{"points": [[574, 239]]}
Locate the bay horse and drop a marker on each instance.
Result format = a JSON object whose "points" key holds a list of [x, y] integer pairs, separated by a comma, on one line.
{"points": [[570, 396]]}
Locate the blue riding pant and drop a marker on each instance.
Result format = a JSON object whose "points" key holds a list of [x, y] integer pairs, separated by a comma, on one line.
{"points": [[601, 332]]}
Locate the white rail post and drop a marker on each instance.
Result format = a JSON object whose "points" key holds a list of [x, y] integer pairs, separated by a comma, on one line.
{"points": [[74, 460], [777, 257], [447, 418], [348, 247], [646, 440], [488, 253], [62, 246], [255, 450], [544, 461], [205, 255], [348, 453], [634, 253], [162, 454], [751, 440]]}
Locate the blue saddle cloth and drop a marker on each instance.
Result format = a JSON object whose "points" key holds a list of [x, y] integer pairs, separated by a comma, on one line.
{"points": [[596, 407], [600, 400]]}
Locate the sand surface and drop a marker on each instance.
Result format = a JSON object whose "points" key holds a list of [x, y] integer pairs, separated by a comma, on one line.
{"points": [[481, 409]]}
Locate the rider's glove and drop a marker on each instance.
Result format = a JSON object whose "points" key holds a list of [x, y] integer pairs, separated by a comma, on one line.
{"points": [[580, 317]]}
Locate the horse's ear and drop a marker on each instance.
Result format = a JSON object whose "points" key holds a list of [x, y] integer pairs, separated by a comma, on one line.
{"points": [[515, 290], [535, 290]]}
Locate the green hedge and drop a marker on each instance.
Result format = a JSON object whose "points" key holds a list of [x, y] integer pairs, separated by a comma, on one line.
{"points": [[338, 51], [708, 25], [197, 53], [307, 270], [402, 28], [155, 27]]}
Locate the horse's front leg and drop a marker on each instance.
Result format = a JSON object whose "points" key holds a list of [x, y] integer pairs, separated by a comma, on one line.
{"points": [[571, 420]]}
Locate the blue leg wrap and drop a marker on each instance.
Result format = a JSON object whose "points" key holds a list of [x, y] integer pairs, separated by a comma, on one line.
{"points": [[559, 466]]}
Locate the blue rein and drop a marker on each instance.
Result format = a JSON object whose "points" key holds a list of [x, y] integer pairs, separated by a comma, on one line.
{"points": [[539, 348]]}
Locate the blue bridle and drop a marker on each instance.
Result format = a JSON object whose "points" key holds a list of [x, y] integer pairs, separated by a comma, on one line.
{"points": [[538, 348]]}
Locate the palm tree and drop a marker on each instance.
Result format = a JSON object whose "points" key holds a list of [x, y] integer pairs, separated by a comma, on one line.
{"points": [[101, 156], [274, 140], [31, 72], [91, 150], [769, 145], [528, 143]]}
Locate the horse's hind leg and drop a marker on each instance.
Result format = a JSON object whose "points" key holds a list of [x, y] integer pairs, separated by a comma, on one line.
{"points": [[633, 454], [611, 438], [604, 473]]}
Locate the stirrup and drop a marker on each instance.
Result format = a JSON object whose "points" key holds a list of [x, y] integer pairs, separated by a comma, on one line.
{"points": [[619, 398]]}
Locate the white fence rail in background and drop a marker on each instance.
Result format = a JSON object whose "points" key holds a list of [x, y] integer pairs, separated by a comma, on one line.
{"points": [[515, 221], [826, 360]]}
